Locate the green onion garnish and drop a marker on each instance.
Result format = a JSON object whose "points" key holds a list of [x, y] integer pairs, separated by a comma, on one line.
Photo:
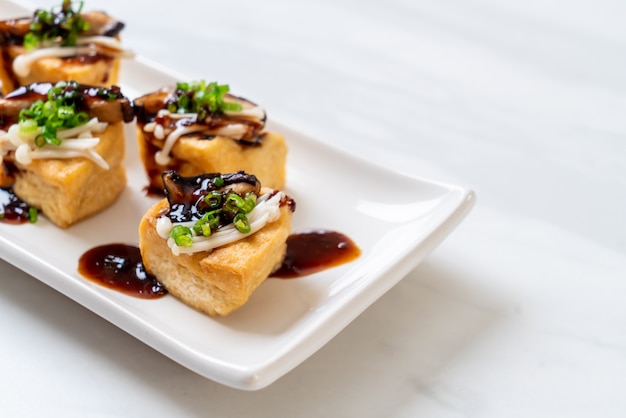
{"points": [[202, 98], [213, 200], [233, 208], [62, 25], [208, 222], [181, 236], [242, 223], [32, 214], [233, 203], [215, 210], [218, 181], [249, 202], [237, 204], [28, 126], [58, 112]]}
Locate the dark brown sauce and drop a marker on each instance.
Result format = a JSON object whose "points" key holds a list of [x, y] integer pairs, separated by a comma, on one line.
{"points": [[313, 251], [87, 92], [13, 210], [120, 267], [185, 194], [154, 170]]}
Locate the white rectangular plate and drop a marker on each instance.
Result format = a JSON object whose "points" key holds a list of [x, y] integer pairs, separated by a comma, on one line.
{"points": [[394, 219]]}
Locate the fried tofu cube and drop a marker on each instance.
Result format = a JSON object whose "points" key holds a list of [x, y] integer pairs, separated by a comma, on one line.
{"points": [[84, 172], [198, 141], [222, 280], [94, 60], [101, 71], [194, 155], [70, 190]]}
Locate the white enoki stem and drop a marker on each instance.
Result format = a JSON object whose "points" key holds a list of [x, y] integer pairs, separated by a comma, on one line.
{"points": [[23, 63], [84, 45], [267, 210], [75, 142], [162, 157], [25, 155], [107, 42], [234, 130], [93, 125], [256, 112]]}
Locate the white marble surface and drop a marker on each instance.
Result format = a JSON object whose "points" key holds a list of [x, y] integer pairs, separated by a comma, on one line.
{"points": [[520, 313]]}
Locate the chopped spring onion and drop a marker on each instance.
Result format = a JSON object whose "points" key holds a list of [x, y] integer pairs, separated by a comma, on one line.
{"points": [[242, 223], [182, 236], [266, 211], [28, 127], [237, 204], [62, 25], [206, 223], [211, 224], [58, 112], [214, 199], [32, 214], [202, 98]]}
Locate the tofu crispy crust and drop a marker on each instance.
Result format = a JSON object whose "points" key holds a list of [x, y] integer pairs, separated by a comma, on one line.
{"points": [[70, 190], [220, 281]]}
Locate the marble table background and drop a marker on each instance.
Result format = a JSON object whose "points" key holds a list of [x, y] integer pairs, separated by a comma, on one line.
{"points": [[521, 312]]}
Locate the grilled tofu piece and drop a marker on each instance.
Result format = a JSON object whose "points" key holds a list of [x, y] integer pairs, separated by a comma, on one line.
{"points": [[193, 143], [219, 280], [68, 183], [94, 60]]}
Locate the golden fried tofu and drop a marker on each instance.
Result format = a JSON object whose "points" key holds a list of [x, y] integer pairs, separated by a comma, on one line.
{"points": [[220, 280], [72, 187], [94, 60], [217, 141], [94, 70], [195, 154], [70, 190]]}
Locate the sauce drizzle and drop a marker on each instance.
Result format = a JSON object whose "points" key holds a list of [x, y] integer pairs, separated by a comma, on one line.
{"points": [[312, 251], [120, 267]]}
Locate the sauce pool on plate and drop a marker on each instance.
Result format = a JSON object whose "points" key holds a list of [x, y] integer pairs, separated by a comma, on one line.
{"points": [[119, 267], [316, 250]]}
